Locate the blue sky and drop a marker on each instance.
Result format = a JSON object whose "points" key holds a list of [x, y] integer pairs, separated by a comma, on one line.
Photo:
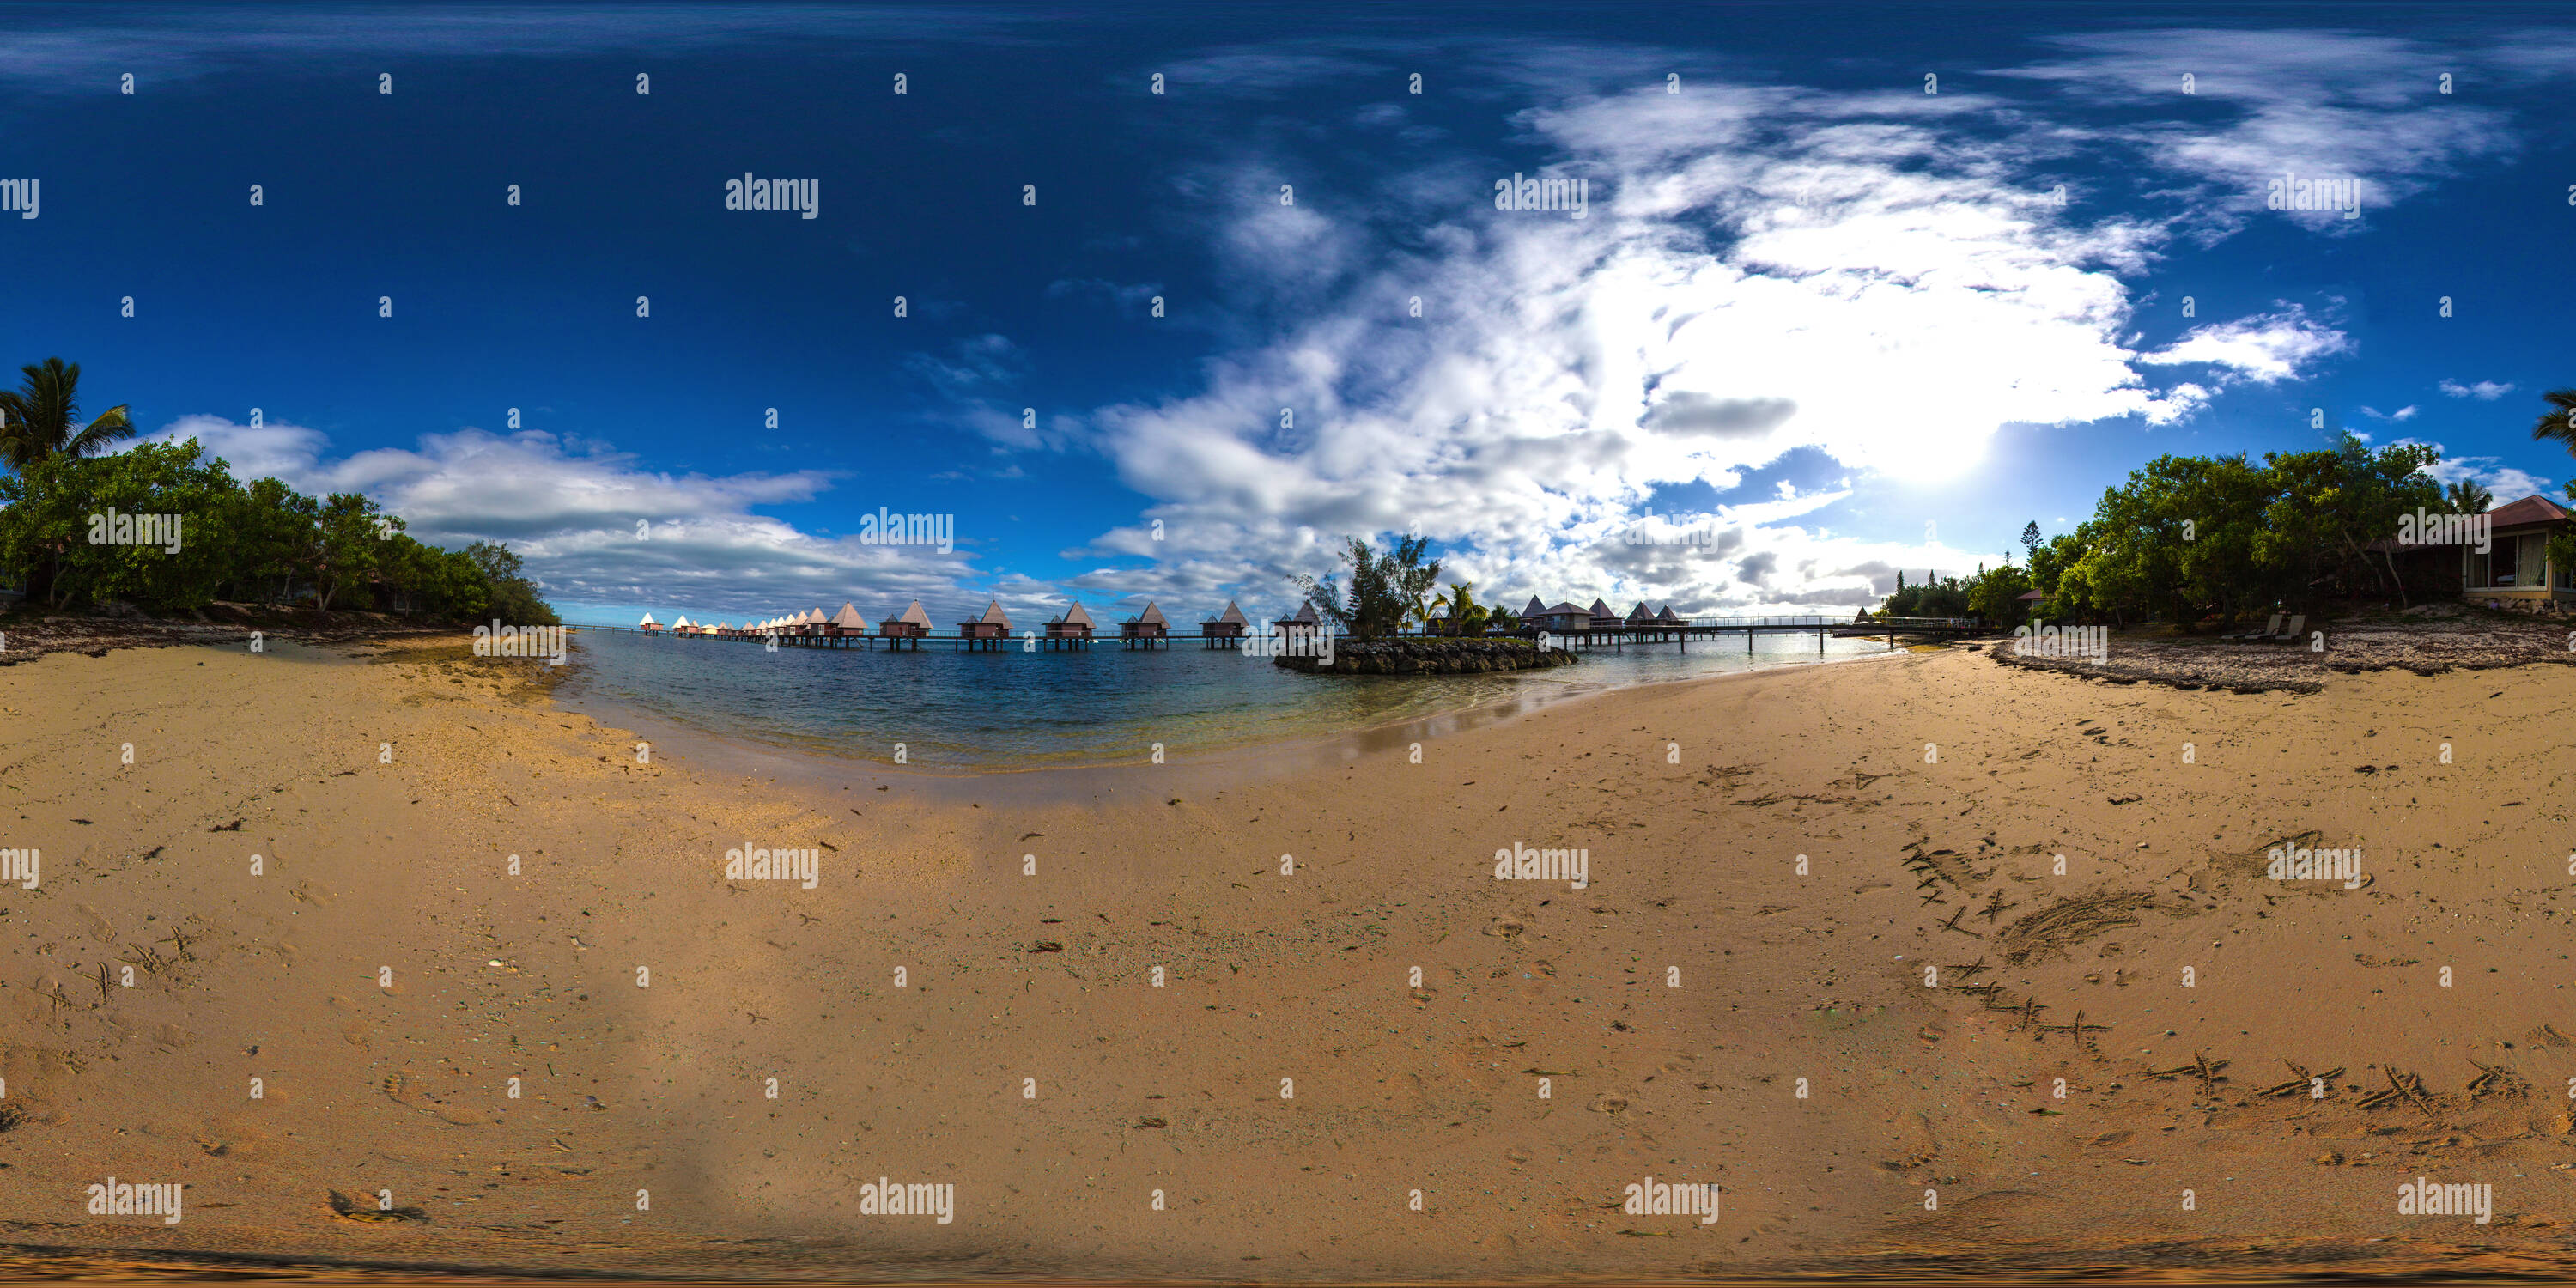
{"points": [[1835, 324]]}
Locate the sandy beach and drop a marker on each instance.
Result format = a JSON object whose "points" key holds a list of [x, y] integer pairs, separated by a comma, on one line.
{"points": [[1202, 986]]}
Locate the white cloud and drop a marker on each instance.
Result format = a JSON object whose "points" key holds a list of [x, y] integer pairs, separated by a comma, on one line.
{"points": [[1763, 269], [2266, 348], [2400, 415], [2483, 391], [2506, 482], [573, 516], [2265, 104]]}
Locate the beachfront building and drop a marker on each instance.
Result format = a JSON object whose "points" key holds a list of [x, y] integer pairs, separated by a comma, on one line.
{"points": [[1302, 625], [1073, 630], [648, 625], [2516, 571], [1604, 617], [1668, 617], [986, 632], [848, 623], [1638, 616], [1559, 619], [1225, 630], [1533, 610], [913, 625], [1146, 629]]}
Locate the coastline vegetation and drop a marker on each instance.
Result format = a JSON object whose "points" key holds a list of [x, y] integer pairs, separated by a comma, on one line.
{"points": [[261, 543]]}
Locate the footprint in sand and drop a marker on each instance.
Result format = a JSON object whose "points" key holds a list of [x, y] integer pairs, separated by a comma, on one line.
{"points": [[412, 1092], [99, 929]]}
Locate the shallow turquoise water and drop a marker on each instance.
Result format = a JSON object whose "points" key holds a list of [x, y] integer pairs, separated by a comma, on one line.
{"points": [[1015, 710]]}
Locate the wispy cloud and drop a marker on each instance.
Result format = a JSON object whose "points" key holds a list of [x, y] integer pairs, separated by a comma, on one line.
{"points": [[2483, 391]]}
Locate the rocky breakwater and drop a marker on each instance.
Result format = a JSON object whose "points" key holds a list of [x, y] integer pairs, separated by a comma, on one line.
{"points": [[1429, 657]]}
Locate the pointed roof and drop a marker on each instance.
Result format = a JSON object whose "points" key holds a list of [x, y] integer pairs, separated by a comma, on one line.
{"points": [[1305, 614], [1232, 614], [994, 615], [1535, 608], [724, 626], [680, 623], [648, 621], [1566, 608], [915, 616], [1075, 616], [1152, 616], [849, 618], [1667, 615], [813, 617], [1600, 609], [1639, 613]]}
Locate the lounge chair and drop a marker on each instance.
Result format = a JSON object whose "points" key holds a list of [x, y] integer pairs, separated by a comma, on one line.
{"points": [[2298, 631], [2273, 628]]}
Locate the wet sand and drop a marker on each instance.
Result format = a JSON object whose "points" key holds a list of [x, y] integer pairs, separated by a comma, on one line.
{"points": [[1027, 1057]]}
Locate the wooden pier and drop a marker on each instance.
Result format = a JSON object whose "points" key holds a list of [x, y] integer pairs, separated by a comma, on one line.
{"points": [[1151, 631]]}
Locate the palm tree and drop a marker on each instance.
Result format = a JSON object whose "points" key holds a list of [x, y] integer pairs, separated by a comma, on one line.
{"points": [[1466, 616], [36, 421], [2558, 424], [2466, 497]]}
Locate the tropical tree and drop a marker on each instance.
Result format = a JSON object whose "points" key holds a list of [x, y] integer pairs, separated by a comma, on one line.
{"points": [[2558, 424], [1466, 616], [40, 414], [1388, 588], [2466, 497]]}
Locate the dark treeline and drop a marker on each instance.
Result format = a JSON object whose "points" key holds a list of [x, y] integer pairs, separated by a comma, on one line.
{"points": [[70, 536], [2191, 538]]}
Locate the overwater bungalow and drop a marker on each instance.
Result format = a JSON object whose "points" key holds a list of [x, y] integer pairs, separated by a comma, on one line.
{"points": [[1225, 630], [1604, 617], [1302, 624], [1533, 610], [1146, 629], [1668, 618], [914, 625], [648, 625], [1073, 630], [986, 632], [847, 623], [1638, 616], [1564, 618]]}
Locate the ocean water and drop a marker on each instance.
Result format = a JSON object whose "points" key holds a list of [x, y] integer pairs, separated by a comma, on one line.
{"points": [[987, 712]]}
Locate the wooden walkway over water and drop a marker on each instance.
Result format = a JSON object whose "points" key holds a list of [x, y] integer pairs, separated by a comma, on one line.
{"points": [[1618, 638]]}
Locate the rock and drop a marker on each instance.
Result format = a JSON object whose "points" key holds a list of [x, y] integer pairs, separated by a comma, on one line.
{"points": [[1431, 655]]}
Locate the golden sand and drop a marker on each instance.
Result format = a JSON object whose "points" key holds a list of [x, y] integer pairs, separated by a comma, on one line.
{"points": [[1289, 1086]]}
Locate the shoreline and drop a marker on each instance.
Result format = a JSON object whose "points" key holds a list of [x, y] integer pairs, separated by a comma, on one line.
{"points": [[1287, 754], [1757, 905]]}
